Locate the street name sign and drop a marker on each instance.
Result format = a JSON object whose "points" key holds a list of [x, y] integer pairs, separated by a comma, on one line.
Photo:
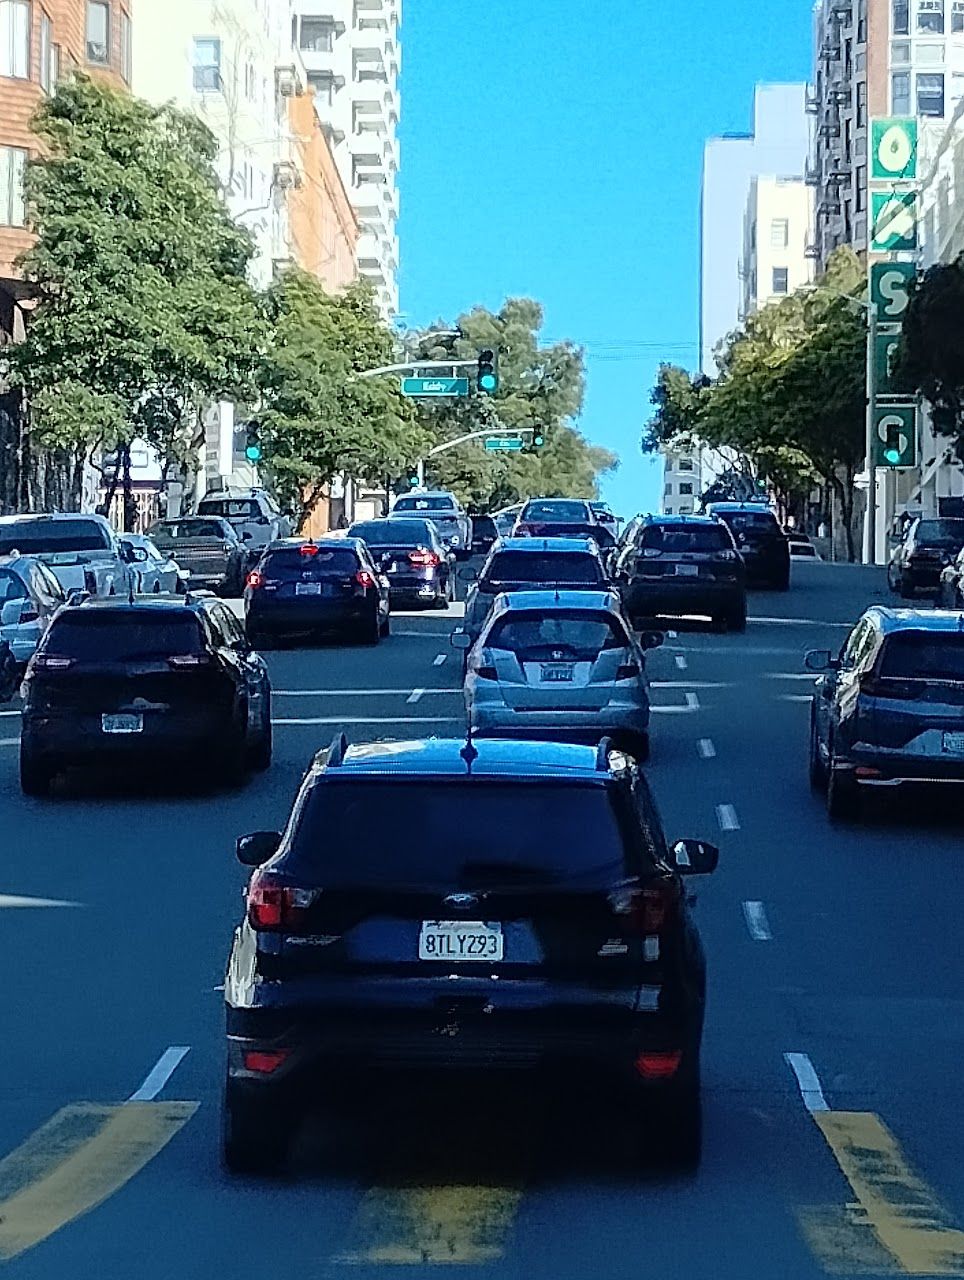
{"points": [[435, 387], [503, 444]]}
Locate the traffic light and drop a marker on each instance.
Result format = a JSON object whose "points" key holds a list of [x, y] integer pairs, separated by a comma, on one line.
{"points": [[488, 372], [252, 448], [413, 478], [538, 440], [893, 446]]}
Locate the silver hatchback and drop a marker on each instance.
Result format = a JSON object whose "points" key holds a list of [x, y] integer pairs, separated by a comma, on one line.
{"points": [[559, 665]]}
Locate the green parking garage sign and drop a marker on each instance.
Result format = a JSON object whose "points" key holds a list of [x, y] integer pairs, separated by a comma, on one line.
{"points": [[890, 289], [895, 435], [894, 220], [893, 156]]}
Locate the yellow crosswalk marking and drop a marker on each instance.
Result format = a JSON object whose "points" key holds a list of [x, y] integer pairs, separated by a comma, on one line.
{"points": [[454, 1226], [82, 1155]]}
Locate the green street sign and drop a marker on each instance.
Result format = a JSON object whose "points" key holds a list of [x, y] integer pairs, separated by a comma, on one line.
{"points": [[890, 289], [503, 444], [893, 154], [893, 220], [885, 349], [432, 387], [895, 435]]}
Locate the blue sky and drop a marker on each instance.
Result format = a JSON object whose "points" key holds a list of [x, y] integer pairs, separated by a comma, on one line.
{"points": [[553, 148]]}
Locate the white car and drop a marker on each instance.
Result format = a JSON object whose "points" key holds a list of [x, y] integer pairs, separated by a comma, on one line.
{"points": [[156, 572], [253, 515], [30, 595], [83, 551]]}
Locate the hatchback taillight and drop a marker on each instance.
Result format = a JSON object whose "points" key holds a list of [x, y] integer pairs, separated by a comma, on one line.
{"points": [[254, 580], [276, 906], [651, 910], [426, 559], [364, 579]]}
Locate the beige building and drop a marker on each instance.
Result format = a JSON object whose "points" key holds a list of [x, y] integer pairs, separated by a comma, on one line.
{"points": [[776, 231]]}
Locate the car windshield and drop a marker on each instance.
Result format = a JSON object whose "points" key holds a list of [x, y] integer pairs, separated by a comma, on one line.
{"points": [[557, 512], [12, 586], [695, 537], [425, 504], [400, 832], [121, 635], [574, 634], [948, 533], [184, 529], [392, 533], [49, 537], [923, 655], [230, 508], [565, 568]]}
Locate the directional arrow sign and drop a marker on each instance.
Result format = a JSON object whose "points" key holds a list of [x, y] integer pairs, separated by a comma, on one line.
{"points": [[890, 289], [503, 444], [894, 215], [885, 349], [435, 386], [894, 149]]}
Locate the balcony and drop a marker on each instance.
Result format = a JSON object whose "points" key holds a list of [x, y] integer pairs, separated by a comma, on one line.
{"points": [[840, 97], [813, 101], [812, 251], [829, 208], [830, 129], [830, 51], [813, 174]]}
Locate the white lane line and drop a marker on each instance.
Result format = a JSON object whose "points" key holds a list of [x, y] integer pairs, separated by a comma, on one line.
{"points": [[803, 622], [307, 720], [726, 817], [672, 634], [440, 660], [359, 693], [789, 675], [794, 697], [160, 1073], [692, 684], [692, 701], [416, 696], [810, 1088], [16, 901], [672, 711], [705, 748], [9, 742], [757, 922], [9, 713], [681, 661]]}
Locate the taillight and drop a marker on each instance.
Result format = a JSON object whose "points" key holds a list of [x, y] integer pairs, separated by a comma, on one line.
{"points": [[254, 579], [428, 559], [308, 549], [264, 1061], [364, 578], [276, 906], [49, 662], [628, 671], [184, 660], [651, 910]]}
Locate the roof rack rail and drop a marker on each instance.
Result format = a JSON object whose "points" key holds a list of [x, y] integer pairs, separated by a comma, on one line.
{"points": [[336, 752], [602, 754]]}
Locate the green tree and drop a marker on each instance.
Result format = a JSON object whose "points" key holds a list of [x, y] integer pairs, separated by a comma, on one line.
{"points": [[930, 358], [144, 313]]}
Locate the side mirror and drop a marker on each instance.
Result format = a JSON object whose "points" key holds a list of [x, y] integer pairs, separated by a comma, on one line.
{"points": [[651, 639], [257, 848], [460, 640], [820, 660], [695, 857]]}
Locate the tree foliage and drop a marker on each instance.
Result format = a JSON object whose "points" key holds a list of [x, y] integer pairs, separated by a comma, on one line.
{"points": [[930, 358]]}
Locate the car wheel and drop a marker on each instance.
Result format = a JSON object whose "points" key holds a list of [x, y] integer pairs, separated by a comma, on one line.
{"points": [[736, 618], [259, 758], [843, 798], [255, 1130], [371, 631], [35, 775], [817, 768]]}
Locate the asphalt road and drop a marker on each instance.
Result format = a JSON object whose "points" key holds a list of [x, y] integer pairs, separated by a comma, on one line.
{"points": [[839, 946]]}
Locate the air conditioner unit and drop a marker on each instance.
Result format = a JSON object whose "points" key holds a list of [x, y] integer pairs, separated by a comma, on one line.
{"points": [[287, 176], [288, 83]]}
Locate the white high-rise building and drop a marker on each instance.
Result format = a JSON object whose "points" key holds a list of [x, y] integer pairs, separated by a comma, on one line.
{"points": [[352, 54], [776, 232]]}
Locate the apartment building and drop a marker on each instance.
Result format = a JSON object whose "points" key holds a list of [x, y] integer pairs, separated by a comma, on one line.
{"points": [[681, 482], [776, 232], [352, 54]]}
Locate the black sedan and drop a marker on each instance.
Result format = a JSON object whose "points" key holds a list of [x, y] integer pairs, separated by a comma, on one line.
{"points": [[918, 563], [420, 569]]}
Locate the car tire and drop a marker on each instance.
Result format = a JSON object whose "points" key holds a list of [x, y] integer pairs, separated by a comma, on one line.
{"points": [[371, 631], [259, 757], [35, 775], [255, 1130], [905, 588], [736, 618], [843, 797], [817, 769]]}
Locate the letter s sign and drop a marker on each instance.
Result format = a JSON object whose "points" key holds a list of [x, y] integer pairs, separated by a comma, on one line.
{"points": [[890, 289]]}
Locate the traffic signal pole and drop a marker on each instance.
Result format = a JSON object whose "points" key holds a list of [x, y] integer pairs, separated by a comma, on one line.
{"points": [[870, 511]]}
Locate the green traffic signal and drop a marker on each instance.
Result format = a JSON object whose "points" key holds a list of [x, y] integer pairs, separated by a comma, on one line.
{"points": [[487, 377], [538, 440], [892, 455]]}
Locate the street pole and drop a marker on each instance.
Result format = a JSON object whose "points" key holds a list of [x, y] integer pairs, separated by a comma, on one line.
{"points": [[870, 512], [421, 473]]}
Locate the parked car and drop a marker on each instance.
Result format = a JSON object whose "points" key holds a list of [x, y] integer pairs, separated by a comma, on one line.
{"points": [[801, 546], [445, 512], [562, 517], [929, 547], [208, 548], [30, 595], [300, 587], [950, 590], [889, 709], [760, 541], [253, 514], [559, 664], [682, 566], [522, 564], [554, 929], [420, 569], [82, 551], [484, 533], [156, 571], [155, 682], [9, 672]]}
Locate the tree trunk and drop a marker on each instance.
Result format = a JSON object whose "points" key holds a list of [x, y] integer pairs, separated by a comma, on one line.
{"points": [[130, 510], [844, 491]]}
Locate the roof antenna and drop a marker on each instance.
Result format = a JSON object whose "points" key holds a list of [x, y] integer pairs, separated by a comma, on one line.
{"points": [[469, 753]]}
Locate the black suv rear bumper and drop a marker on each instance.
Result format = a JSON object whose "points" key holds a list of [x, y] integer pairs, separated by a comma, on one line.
{"points": [[678, 596]]}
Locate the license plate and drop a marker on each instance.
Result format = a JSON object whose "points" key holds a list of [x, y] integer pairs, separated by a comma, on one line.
{"points": [[954, 742], [122, 724], [557, 673], [687, 570], [462, 940], [307, 588]]}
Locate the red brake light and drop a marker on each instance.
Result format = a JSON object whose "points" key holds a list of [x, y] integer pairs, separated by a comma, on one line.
{"points": [[308, 549], [659, 1066], [651, 910], [264, 1061], [364, 578], [254, 579], [275, 906], [429, 559]]}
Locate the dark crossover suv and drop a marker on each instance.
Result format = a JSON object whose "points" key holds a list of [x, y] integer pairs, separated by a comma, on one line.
{"points": [[760, 541], [918, 563], [387, 928], [890, 707], [419, 567], [682, 565], [156, 681], [302, 587]]}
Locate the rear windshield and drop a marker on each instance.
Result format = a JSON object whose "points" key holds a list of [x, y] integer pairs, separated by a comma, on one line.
{"points": [[558, 512], [293, 561], [230, 508], [483, 525], [697, 537], [120, 636], [424, 504], [189, 529], [392, 533], [51, 536], [572, 634], [923, 655], [941, 533], [755, 524], [438, 834], [576, 568], [12, 586]]}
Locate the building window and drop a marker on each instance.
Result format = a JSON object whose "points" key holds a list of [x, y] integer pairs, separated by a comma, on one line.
{"points": [[860, 188], [780, 280], [862, 22], [668, 491], [862, 104], [957, 17], [930, 16], [207, 65], [15, 38], [957, 88], [900, 93], [127, 47], [98, 31], [901, 18], [323, 87], [13, 162], [668, 511], [46, 48], [317, 35], [930, 94], [685, 464], [686, 489], [929, 54], [900, 53], [779, 233]]}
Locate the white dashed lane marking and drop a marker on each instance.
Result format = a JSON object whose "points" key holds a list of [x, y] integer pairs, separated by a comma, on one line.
{"points": [[415, 696], [442, 657], [706, 748], [692, 701], [681, 661], [810, 1088], [756, 921], [726, 817]]}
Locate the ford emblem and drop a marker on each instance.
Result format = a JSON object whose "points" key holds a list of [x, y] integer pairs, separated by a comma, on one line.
{"points": [[462, 901]]}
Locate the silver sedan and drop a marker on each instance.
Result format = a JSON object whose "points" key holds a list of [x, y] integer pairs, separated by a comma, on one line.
{"points": [[156, 571]]}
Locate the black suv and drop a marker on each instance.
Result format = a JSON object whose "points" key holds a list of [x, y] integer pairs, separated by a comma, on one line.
{"points": [[682, 565], [157, 680], [919, 562], [760, 541], [374, 938]]}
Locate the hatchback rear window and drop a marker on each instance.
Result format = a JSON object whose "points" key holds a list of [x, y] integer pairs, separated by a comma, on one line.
{"points": [[923, 655], [12, 586], [538, 636], [122, 636], [231, 509], [558, 512], [53, 536], [941, 533], [564, 567], [756, 524], [293, 561], [392, 533], [697, 537], [189, 529], [424, 504], [437, 834]]}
